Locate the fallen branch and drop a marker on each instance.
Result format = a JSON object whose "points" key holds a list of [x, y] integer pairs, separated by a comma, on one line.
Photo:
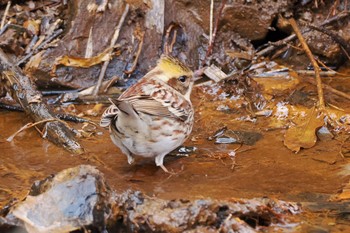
{"points": [[112, 44], [24, 91], [313, 61]]}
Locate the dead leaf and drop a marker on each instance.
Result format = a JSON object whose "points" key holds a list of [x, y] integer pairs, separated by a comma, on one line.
{"points": [[82, 62], [303, 135], [34, 62]]}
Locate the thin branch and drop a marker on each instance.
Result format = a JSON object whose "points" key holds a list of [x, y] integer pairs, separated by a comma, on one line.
{"points": [[112, 44], [217, 20], [313, 61], [28, 126], [328, 88], [142, 36], [341, 41], [5, 14], [211, 21]]}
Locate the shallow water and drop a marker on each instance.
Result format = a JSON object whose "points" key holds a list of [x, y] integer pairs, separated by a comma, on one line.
{"points": [[267, 168]]}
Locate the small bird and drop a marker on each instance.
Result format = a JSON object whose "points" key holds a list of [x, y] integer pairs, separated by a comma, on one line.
{"points": [[155, 115]]}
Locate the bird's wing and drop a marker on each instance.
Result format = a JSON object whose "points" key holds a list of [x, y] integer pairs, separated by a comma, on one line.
{"points": [[152, 97]]}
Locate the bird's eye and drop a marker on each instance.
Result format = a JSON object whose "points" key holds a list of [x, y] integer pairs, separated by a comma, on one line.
{"points": [[183, 78]]}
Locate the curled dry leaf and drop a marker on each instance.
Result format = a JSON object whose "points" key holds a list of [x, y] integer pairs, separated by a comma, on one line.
{"points": [[303, 135], [82, 62]]}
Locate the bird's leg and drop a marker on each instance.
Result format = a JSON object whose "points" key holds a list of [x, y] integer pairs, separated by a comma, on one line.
{"points": [[159, 162], [130, 158]]}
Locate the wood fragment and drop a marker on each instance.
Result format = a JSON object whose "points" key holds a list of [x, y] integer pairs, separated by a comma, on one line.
{"points": [[24, 91], [112, 44], [313, 61], [215, 73]]}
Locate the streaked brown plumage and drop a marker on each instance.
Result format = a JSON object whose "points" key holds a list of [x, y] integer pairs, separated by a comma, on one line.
{"points": [[155, 115]]}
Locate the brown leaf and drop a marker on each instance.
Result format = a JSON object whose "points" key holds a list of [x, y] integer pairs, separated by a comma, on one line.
{"points": [[82, 62], [303, 135]]}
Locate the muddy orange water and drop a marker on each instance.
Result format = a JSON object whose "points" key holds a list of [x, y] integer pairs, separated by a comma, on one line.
{"points": [[267, 168]]}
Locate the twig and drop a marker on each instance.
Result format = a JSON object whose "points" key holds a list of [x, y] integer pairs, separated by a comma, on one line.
{"points": [[28, 126], [113, 41], [211, 22], [2, 30], [137, 55], [167, 35], [329, 88], [330, 73], [31, 44], [217, 20], [110, 83], [5, 14], [344, 44], [313, 61], [173, 41]]}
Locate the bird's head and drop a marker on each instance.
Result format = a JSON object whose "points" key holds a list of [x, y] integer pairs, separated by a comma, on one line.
{"points": [[175, 74]]}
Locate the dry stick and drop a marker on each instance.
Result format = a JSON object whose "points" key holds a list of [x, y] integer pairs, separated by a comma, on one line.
{"points": [[113, 41], [5, 14], [328, 88], [211, 21], [313, 61], [137, 55], [218, 16], [168, 31], [173, 41], [28, 126], [341, 41]]}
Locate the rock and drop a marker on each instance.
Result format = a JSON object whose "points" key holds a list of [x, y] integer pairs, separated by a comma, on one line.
{"points": [[74, 198], [78, 198]]}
